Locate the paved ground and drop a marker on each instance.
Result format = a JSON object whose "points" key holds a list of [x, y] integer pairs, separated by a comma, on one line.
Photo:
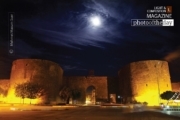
{"points": [[83, 113]]}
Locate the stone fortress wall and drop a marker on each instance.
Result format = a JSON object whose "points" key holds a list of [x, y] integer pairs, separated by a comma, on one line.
{"points": [[83, 82], [144, 81], [4, 87], [43, 71], [176, 87], [4, 84]]}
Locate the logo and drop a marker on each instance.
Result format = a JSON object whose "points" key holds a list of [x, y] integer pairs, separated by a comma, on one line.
{"points": [[168, 9], [160, 12], [11, 51], [156, 16]]}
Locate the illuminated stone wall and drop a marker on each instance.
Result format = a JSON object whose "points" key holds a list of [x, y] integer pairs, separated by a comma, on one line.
{"points": [[141, 81], [4, 84], [144, 81], [82, 83], [176, 86], [43, 71]]}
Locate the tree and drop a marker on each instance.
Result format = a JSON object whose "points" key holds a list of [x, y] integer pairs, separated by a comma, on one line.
{"points": [[65, 94], [21, 90], [167, 95], [76, 94], [34, 90], [29, 90]]}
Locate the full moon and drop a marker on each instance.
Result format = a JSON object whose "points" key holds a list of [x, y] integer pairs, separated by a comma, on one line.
{"points": [[95, 20]]}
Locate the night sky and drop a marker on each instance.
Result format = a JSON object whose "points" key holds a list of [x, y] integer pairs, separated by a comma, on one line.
{"points": [[62, 31]]}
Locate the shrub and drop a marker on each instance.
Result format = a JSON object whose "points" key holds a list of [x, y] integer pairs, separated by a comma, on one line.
{"points": [[145, 103]]}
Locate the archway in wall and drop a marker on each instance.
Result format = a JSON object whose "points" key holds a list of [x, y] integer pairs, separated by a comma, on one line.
{"points": [[90, 95]]}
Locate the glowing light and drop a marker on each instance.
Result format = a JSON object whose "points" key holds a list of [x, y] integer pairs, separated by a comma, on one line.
{"points": [[176, 101], [95, 20], [151, 97], [88, 102], [167, 106], [13, 108], [88, 99], [11, 98]]}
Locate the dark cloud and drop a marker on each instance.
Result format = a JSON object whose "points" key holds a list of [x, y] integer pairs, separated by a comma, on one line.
{"points": [[174, 55], [61, 31]]}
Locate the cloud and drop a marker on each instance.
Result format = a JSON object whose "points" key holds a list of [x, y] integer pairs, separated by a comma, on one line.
{"points": [[70, 39], [173, 55], [72, 67], [115, 9], [76, 30]]}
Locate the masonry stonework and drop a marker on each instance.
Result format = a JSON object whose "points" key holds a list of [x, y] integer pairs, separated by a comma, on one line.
{"points": [[83, 82], [42, 71], [4, 84], [144, 81], [141, 81], [176, 86]]}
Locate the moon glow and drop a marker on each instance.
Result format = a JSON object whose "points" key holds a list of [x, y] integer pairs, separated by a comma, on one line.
{"points": [[95, 21]]}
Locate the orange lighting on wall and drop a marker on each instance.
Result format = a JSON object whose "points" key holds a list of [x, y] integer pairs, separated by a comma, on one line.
{"points": [[11, 98]]}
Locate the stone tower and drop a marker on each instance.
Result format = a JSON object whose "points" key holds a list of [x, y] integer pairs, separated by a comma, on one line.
{"points": [[144, 81], [43, 71]]}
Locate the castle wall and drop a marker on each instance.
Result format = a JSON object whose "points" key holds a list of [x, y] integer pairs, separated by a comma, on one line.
{"points": [[176, 86], [144, 81], [4, 86], [82, 83], [45, 72]]}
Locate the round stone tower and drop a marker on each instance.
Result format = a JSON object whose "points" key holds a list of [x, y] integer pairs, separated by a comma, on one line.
{"points": [[144, 81], [36, 70]]}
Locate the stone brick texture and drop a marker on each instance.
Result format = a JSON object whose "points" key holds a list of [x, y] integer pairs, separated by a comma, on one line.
{"points": [[83, 82], [45, 72], [176, 86], [144, 81], [4, 84]]}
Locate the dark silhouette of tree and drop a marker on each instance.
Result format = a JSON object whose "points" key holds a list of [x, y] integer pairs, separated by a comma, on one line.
{"points": [[65, 94], [21, 90], [167, 95], [76, 94], [29, 90], [34, 90]]}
